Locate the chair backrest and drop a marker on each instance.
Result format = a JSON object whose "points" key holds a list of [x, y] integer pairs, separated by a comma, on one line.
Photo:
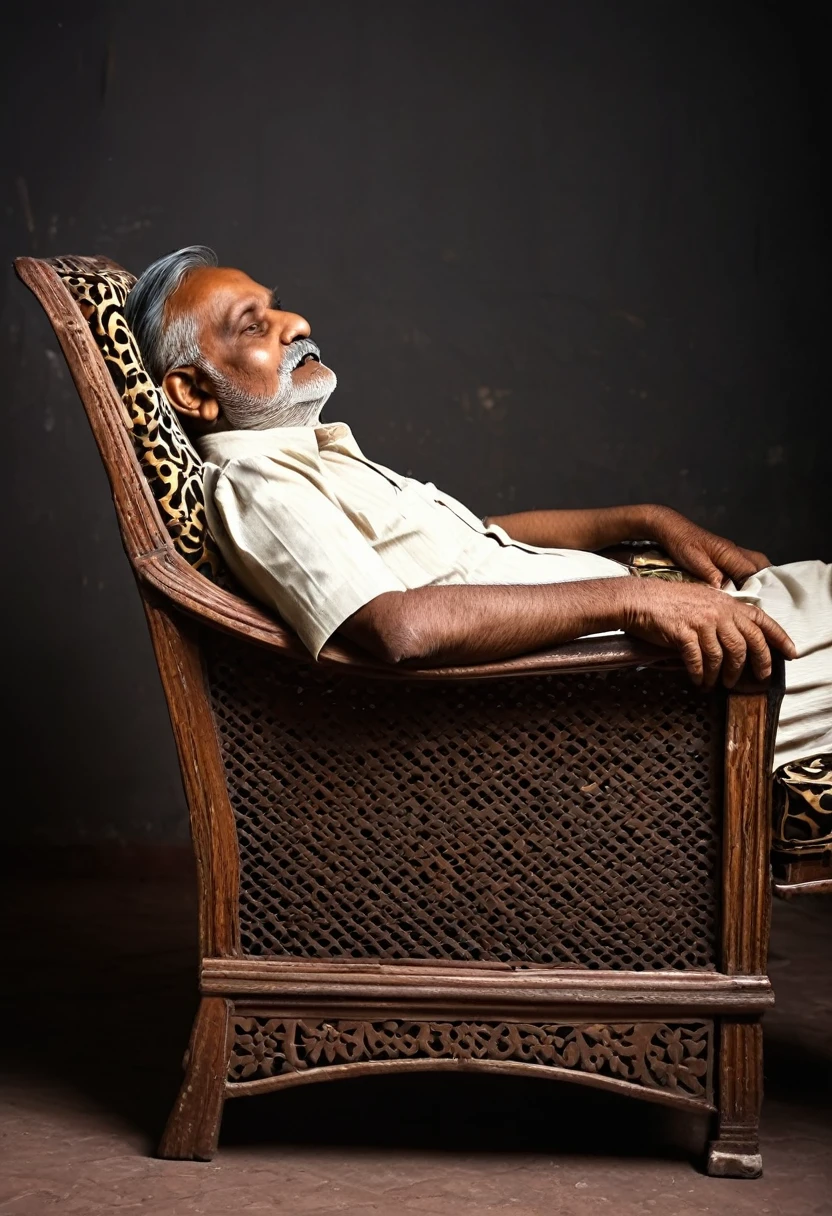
{"points": [[170, 463]]}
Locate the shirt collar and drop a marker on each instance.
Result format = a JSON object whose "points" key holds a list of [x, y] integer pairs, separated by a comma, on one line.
{"points": [[222, 446]]}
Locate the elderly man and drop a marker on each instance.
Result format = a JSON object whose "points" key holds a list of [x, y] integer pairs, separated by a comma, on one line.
{"points": [[339, 544]]}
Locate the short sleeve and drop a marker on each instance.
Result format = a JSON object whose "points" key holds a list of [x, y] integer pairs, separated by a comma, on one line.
{"points": [[292, 546]]}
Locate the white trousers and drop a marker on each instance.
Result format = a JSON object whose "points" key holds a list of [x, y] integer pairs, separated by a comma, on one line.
{"points": [[799, 597]]}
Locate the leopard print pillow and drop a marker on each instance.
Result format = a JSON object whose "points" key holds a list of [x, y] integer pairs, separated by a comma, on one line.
{"points": [[172, 466], [803, 805]]}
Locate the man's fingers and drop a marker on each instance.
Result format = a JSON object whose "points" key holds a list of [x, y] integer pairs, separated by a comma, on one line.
{"points": [[734, 649], [758, 651], [737, 563], [732, 560], [711, 655], [692, 657], [738, 567], [775, 633], [696, 561], [758, 560], [778, 637]]}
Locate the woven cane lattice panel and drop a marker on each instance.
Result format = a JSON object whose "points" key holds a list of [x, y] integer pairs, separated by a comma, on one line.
{"points": [[676, 1057], [553, 820]]}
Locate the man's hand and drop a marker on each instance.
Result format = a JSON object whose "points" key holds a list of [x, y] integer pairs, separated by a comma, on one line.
{"points": [[707, 556], [712, 632], [431, 625], [704, 554]]}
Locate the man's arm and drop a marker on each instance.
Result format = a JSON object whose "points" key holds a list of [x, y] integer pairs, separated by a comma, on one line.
{"points": [[590, 529], [460, 624], [704, 554]]}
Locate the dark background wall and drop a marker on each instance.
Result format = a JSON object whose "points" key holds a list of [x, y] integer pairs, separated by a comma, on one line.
{"points": [[564, 253]]}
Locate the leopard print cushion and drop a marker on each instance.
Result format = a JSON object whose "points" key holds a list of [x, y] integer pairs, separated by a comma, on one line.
{"points": [[803, 806], [172, 466]]}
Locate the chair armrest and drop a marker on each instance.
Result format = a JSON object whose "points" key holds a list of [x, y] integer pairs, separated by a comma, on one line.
{"points": [[169, 575]]}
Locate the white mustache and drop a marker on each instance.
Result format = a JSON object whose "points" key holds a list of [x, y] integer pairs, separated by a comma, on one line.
{"points": [[297, 352]]}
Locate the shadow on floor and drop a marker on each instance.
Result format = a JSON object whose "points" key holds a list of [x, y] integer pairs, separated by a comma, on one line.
{"points": [[464, 1114]]}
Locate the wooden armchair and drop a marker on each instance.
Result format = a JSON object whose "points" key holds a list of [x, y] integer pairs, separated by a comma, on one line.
{"points": [[556, 865]]}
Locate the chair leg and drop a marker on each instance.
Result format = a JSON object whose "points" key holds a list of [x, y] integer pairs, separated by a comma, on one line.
{"points": [[735, 1153], [194, 1125]]}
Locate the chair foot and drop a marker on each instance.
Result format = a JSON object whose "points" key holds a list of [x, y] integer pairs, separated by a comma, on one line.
{"points": [[735, 1151], [194, 1125], [726, 1160]]}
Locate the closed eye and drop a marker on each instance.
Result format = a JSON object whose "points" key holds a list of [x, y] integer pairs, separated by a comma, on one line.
{"points": [[253, 321]]}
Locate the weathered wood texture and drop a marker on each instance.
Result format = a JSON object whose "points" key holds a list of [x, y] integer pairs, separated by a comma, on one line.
{"points": [[746, 891], [735, 1153], [531, 992], [194, 1123], [746, 887], [212, 820], [666, 1062]]}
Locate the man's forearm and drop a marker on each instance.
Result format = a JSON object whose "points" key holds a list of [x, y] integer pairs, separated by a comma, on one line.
{"points": [[476, 624], [711, 632], [590, 529]]}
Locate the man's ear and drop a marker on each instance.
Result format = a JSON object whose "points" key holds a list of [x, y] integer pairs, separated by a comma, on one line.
{"points": [[191, 394]]}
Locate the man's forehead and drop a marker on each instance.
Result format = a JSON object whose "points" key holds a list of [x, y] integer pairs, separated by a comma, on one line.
{"points": [[212, 291]]}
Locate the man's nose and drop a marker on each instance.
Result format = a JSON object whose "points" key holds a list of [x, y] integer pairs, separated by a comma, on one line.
{"points": [[293, 326]]}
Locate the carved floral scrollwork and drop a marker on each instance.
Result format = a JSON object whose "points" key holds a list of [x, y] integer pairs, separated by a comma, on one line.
{"points": [[658, 1055]]}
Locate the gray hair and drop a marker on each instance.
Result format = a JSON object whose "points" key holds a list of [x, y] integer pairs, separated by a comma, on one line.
{"points": [[164, 344]]}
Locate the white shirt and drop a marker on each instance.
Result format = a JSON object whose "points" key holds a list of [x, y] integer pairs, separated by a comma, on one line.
{"points": [[315, 530]]}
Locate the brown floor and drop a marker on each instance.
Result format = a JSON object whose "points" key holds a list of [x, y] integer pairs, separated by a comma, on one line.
{"points": [[99, 984]]}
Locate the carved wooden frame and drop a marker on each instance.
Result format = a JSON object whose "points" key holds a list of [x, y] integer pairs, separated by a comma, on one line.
{"points": [[605, 1028]]}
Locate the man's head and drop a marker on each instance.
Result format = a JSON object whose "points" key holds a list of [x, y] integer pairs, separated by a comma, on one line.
{"points": [[223, 348]]}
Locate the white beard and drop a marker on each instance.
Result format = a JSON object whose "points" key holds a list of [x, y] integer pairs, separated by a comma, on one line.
{"points": [[292, 405]]}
